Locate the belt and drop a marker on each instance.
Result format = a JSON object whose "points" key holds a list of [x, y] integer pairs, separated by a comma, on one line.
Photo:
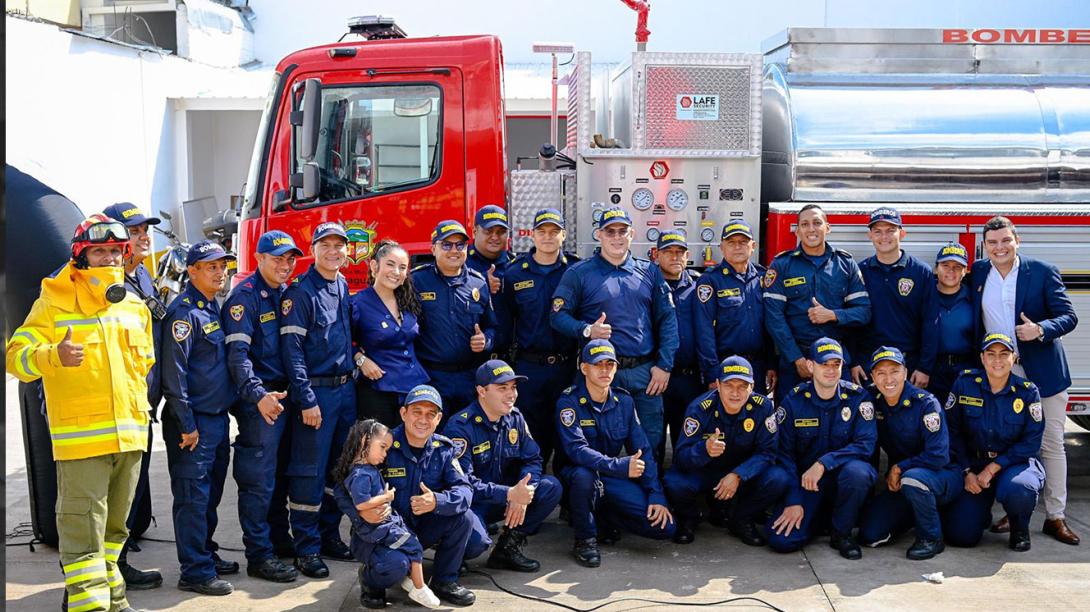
{"points": [[625, 363], [686, 371], [445, 367], [954, 359], [278, 384], [544, 358], [330, 381], [985, 454]]}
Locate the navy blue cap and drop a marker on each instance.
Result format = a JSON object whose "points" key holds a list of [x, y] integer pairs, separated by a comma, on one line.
{"points": [[614, 214], [997, 338], [206, 250], [424, 393], [953, 252], [825, 349], [495, 372], [329, 228], [129, 214], [886, 353], [736, 367], [737, 227], [277, 243], [491, 216], [672, 237], [887, 214], [598, 350], [548, 215], [446, 229]]}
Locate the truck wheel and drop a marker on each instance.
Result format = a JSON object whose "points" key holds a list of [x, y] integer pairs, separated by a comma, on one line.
{"points": [[1081, 420], [40, 225]]}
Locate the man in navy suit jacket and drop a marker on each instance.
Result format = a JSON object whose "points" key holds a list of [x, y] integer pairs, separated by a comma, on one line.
{"points": [[1026, 298]]}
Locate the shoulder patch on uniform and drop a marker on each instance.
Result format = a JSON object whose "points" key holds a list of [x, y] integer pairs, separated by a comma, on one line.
{"points": [[780, 414], [691, 426], [237, 311], [770, 423], [866, 410], [768, 279], [180, 330], [1035, 411], [285, 306], [950, 401], [703, 293], [932, 421], [558, 303], [567, 417], [460, 445]]}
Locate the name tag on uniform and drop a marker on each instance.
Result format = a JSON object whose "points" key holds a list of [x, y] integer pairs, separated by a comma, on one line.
{"points": [[211, 327], [970, 401], [806, 422], [395, 472], [587, 423], [526, 284], [482, 447], [792, 282], [427, 296], [728, 292], [268, 316]]}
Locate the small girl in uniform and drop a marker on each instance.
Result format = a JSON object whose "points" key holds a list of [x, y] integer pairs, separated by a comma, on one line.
{"points": [[388, 545]]}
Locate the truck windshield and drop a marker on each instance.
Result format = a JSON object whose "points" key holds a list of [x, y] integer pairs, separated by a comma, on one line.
{"points": [[250, 205], [375, 139]]}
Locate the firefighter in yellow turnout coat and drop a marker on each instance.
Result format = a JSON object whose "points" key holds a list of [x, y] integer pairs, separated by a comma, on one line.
{"points": [[90, 342]]}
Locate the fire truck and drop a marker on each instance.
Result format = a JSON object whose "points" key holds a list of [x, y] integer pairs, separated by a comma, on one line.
{"points": [[391, 134]]}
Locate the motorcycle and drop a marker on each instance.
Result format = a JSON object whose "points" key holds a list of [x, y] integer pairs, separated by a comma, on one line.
{"points": [[171, 273]]}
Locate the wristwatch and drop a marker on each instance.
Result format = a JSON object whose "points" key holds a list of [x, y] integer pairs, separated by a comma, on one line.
{"points": [[586, 331], [359, 359]]}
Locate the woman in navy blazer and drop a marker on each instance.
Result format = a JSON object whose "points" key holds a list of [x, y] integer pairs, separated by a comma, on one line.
{"points": [[1042, 315]]}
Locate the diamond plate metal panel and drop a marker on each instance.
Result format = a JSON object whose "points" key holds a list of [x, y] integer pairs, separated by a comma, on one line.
{"points": [[532, 190], [663, 130]]}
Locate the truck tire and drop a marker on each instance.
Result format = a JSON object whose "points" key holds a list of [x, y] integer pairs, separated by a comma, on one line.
{"points": [[1081, 420], [39, 233]]}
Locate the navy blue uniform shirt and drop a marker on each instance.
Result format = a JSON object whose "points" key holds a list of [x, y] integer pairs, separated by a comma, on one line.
{"points": [[252, 324], [913, 432], [1004, 427], [527, 294], [729, 316], [452, 305], [388, 343], [904, 309], [436, 467], [194, 366], [955, 330], [683, 291], [494, 455], [594, 436], [637, 302], [832, 431], [794, 280], [315, 333], [750, 436]]}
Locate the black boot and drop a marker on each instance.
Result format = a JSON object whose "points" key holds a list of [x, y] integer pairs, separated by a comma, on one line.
{"points": [[139, 580], [924, 549], [223, 567], [312, 566], [336, 549], [273, 570], [453, 593], [747, 532], [686, 531], [1019, 540], [846, 546], [508, 553], [372, 598], [586, 553]]}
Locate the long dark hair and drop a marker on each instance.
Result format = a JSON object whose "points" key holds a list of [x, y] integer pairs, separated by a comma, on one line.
{"points": [[355, 447], [405, 295]]}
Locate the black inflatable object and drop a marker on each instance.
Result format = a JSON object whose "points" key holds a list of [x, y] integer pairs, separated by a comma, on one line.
{"points": [[40, 223]]}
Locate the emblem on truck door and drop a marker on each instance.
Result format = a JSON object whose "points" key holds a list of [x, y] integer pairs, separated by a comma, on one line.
{"points": [[361, 239]]}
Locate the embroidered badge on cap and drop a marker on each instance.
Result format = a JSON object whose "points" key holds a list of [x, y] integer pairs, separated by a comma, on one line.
{"points": [[770, 424], [460, 445], [1035, 411], [567, 417], [691, 425], [866, 410], [904, 286], [236, 311], [932, 421], [846, 413], [704, 293], [181, 330], [285, 307]]}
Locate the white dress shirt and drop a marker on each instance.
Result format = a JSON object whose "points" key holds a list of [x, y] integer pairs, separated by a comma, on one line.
{"points": [[998, 302]]}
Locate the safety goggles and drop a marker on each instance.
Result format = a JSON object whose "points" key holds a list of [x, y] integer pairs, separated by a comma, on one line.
{"points": [[457, 246], [99, 233]]}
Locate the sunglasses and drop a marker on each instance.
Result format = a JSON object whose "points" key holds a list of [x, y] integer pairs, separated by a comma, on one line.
{"points": [[457, 246], [614, 231]]}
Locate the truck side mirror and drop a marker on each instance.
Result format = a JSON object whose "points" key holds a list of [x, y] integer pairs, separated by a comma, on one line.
{"points": [[312, 117], [309, 181]]}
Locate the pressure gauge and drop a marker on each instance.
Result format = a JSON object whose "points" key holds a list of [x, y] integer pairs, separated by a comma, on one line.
{"points": [[707, 234], [677, 199], [643, 198], [596, 214], [652, 234]]}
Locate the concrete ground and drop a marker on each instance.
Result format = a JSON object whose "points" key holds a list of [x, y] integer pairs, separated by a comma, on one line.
{"points": [[715, 568]]}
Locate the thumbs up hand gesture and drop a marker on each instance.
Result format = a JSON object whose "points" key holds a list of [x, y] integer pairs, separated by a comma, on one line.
{"points": [[1028, 330], [819, 314], [636, 465], [477, 340], [600, 329], [714, 445], [423, 503], [494, 283], [70, 353]]}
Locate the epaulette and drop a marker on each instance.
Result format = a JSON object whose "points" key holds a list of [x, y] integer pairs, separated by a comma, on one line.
{"points": [[568, 390], [464, 415], [620, 391], [707, 403], [422, 266], [473, 273], [757, 398], [442, 440], [791, 251]]}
